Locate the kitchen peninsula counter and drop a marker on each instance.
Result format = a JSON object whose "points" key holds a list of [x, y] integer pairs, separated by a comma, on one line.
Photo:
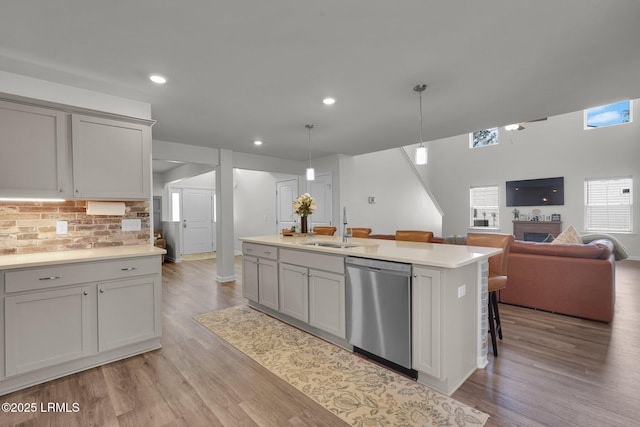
{"points": [[427, 254], [297, 281]]}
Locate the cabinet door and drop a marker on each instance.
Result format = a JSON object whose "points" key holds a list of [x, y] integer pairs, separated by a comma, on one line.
{"points": [[426, 317], [128, 311], [34, 158], [327, 302], [50, 327], [250, 278], [294, 291], [268, 283], [111, 159]]}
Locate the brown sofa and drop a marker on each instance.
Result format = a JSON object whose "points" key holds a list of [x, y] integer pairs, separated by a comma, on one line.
{"points": [[573, 279]]}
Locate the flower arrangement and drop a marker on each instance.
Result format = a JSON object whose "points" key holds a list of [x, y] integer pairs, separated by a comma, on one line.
{"points": [[304, 205]]}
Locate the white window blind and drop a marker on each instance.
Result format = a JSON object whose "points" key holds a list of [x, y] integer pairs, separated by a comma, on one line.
{"points": [[608, 204], [484, 203]]}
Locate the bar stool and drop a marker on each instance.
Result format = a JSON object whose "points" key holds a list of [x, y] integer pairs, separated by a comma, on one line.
{"points": [[497, 276], [324, 230], [414, 236]]}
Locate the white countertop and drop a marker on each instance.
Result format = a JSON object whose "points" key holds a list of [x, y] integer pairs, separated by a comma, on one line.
{"points": [[8, 262], [427, 254]]}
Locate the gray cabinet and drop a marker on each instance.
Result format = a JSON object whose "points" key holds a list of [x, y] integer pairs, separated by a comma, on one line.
{"points": [[35, 155], [128, 311], [260, 274], [250, 278], [426, 300], [111, 158], [47, 328], [327, 302], [294, 291], [107, 159], [63, 318]]}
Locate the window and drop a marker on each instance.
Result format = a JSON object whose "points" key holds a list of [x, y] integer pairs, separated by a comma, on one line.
{"points": [[482, 138], [607, 115], [608, 204], [484, 203], [175, 206]]}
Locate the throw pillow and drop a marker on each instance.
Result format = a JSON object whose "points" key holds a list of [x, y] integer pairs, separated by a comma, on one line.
{"points": [[570, 235], [548, 239]]}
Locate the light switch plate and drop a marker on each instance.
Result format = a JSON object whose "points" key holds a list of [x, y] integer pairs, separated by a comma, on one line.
{"points": [[131, 225], [462, 291], [62, 227]]}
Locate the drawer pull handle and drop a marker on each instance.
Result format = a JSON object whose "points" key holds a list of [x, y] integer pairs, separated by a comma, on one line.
{"points": [[85, 293], [267, 252], [51, 278], [128, 269], [102, 291]]}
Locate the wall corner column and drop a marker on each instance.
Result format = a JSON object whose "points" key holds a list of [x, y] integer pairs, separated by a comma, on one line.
{"points": [[224, 218]]}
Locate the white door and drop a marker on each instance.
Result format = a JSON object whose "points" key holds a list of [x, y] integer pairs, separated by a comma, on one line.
{"points": [[286, 193], [321, 189], [197, 221]]}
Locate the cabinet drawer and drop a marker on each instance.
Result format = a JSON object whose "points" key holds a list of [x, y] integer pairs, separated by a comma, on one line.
{"points": [[262, 251], [77, 273], [316, 260]]}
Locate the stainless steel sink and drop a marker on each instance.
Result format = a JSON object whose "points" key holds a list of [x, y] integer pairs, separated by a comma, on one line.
{"points": [[331, 245]]}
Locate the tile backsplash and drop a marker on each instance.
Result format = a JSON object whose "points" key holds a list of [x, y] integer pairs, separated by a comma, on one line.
{"points": [[28, 227]]}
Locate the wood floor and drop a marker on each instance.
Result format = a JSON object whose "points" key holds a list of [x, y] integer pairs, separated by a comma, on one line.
{"points": [[552, 370]]}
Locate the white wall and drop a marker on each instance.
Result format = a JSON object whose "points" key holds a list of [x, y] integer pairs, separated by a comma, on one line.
{"points": [[401, 201], [559, 146], [254, 203]]}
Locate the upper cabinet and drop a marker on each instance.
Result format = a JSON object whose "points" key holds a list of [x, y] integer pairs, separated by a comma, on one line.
{"points": [[111, 158], [35, 156], [52, 153]]}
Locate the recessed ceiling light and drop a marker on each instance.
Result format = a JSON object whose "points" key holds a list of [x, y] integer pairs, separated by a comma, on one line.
{"points": [[329, 101], [158, 79], [257, 142]]}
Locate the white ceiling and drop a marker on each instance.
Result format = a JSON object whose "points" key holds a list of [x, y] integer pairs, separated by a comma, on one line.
{"points": [[246, 69]]}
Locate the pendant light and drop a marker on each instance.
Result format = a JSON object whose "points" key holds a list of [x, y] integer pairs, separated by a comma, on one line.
{"points": [[311, 173], [421, 151]]}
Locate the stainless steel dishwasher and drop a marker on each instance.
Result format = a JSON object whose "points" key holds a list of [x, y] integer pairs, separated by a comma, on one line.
{"points": [[379, 311]]}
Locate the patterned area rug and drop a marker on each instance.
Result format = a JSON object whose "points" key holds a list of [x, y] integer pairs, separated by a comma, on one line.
{"points": [[356, 390]]}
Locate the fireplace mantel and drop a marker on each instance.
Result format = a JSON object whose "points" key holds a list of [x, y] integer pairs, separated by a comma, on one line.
{"points": [[549, 227]]}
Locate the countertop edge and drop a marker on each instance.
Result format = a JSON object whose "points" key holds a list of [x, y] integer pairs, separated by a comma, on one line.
{"points": [[41, 259]]}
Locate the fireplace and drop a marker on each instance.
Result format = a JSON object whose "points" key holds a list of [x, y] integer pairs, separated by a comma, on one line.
{"points": [[533, 236], [539, 230]]}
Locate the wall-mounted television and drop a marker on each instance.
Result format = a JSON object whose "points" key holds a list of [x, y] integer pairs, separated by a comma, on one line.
{"points": [[536, 192]]}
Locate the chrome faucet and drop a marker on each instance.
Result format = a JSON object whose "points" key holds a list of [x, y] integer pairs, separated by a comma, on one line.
{"points": [[345, 235]]}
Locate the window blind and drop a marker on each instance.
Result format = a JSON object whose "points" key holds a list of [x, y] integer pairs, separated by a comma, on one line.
{"points": [[608, 204], [484, 203]]}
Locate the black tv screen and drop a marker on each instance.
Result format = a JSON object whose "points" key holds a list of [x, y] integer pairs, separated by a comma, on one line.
{"points": [[536, 192]]}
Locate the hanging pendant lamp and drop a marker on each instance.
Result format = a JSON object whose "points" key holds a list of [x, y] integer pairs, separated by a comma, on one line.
{"points": [[421, 151], [311, 173]]}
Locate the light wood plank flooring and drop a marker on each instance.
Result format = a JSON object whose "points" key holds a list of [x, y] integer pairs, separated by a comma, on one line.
{"points": [[552, 370]]}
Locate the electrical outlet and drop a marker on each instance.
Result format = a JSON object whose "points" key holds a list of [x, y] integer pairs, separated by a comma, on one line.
{"points": [[131, 225], [462, 291], [62, 227]]}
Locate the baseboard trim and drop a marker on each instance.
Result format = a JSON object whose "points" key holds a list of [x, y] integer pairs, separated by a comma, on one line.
{"points": [[224, 279]]}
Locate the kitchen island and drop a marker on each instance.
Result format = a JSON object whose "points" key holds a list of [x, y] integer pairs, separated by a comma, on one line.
{"points": [[66, 311], [301, 280]]}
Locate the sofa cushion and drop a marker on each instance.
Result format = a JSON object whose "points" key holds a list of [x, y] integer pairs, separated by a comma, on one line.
{"points": [[597, 249], [570, 235]]}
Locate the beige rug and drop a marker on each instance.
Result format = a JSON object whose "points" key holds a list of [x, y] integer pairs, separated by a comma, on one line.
{"points": [[356, 390]]}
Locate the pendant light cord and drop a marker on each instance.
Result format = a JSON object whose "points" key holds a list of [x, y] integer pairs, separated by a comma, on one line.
{"points": [[420, 89], [309, 127]]}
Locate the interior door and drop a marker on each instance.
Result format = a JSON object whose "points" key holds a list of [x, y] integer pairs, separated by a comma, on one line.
{"points": [[286, 193], [321, 189], [197, 221]]}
